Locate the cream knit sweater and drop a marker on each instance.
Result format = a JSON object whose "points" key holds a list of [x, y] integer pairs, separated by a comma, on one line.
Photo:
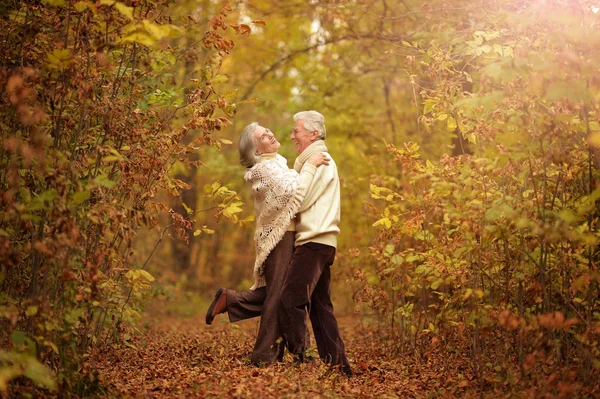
{"points": [[278, 193], [318, 218]]}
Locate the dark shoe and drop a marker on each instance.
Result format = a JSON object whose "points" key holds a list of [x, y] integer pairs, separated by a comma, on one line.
{"points": [[345, 368], [218, 305]]}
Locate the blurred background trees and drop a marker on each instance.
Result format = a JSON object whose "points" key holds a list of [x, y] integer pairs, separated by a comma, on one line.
{"points": [[466, 136]]}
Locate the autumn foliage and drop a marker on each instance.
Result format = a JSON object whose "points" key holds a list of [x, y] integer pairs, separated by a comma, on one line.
{"points": [[91, 127], [494, 251], [467, 138]]}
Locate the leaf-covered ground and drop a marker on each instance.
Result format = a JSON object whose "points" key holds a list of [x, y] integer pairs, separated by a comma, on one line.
{"points": [[181, 357]]}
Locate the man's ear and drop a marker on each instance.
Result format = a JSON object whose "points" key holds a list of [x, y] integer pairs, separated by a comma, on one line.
{"points": [[314, 135]]}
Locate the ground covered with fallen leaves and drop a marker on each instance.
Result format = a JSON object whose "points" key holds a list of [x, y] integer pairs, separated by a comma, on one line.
{"points": [[178, 356], [181, 357]]}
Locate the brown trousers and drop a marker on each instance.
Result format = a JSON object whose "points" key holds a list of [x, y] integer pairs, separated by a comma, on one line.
{"points": [[264, 302], [306, 288]]}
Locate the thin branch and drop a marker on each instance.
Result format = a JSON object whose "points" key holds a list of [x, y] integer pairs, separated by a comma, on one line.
{"points": [[288, 57]]}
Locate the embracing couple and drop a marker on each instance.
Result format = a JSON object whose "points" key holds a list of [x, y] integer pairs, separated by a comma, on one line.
{"points": [[297, 224]]}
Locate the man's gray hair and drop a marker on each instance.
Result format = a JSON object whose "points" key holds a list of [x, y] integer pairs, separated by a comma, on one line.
{"points": [[313, 120], [247, 146]]}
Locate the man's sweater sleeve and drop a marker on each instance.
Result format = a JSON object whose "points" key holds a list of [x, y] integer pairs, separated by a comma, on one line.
{"points": [[307, 175], [323, 176]]}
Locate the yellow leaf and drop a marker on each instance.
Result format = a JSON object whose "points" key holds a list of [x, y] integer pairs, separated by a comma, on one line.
{"points": [[451, 123], [231, 210], [83, 5], [126, 11], [146, 275], [59, 58], [467, 294], [219, 79], [384, 221], [250, 100], [594, 139], [51, 345], [157, 31], [187, 208], [31, 311], [141, 37], [56, 3], [80, 6]]}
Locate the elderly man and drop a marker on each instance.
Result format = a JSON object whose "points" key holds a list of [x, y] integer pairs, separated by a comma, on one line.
{"points": [[306, 285]]}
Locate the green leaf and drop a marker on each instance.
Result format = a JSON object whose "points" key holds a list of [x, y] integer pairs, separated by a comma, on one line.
{"points": [[18, 338], [20, 364], [569, 216], [103, 180], [187, 208], [435, 285], [488, 101], [249, 100], [42, 200], [80, 196], [429, 104], [389, 249], [565, 91], [219, 79]]}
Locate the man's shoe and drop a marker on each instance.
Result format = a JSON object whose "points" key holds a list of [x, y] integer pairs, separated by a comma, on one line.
{"points": [[218, 305], [345, 368]]}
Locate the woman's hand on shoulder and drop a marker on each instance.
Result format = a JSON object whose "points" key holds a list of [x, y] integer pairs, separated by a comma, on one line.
{"points": [[319, 159]]}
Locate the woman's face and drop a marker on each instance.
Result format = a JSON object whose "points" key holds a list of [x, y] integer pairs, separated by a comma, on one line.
{"points": [[265, 140]]}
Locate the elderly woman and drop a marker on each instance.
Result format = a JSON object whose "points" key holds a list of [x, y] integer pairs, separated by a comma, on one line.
{"points": [[278, 192]]}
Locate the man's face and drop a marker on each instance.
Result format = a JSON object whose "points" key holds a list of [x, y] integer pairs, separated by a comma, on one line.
{"points": [[301, 137], [265, 140]]}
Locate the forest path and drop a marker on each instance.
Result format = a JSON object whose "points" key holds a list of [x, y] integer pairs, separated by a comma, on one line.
{"points": [[182, 357]]}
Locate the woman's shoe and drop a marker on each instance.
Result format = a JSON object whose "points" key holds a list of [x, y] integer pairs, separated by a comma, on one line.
{"points": [[218, 305]]}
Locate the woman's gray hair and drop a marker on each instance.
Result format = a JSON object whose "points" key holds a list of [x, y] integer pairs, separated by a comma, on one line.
{"points": [[313, 120], [247, 146]]}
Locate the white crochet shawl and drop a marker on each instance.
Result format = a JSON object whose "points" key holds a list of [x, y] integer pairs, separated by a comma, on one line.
{"points": [[276, 202]]}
